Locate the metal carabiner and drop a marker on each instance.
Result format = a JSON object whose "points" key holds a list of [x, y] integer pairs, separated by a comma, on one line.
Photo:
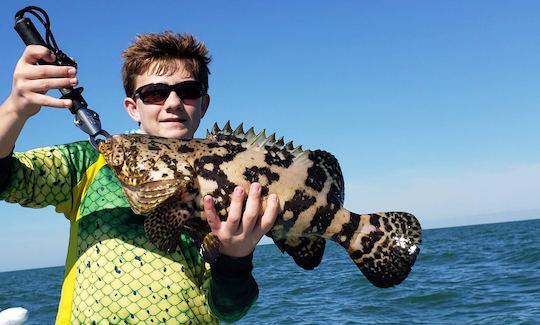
{"points": [[88, 121]]}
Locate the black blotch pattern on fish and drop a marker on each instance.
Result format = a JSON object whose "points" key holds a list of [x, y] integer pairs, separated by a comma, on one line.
{"points": [[325, 214], [347, 231], [221, 179], [185, 149], [154, 146], [171, 164], [316, 174], [213, 145], [374, 220], [322, 219], [369, 241], [296, 205], [272, 157], [228, 137], [325, 165], [216, 174], [253, 174]]}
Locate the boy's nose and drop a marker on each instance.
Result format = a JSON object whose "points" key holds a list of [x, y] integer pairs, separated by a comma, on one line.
{"points": [[173, 102]]}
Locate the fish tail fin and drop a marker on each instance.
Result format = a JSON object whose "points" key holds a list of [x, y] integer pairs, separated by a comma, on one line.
{"points": [[382, 245]]}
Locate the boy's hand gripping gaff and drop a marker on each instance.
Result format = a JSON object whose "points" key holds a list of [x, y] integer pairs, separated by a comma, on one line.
{"points": [[85, 118]]}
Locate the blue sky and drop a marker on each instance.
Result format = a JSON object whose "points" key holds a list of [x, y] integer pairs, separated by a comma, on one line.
{"points": [[431, 107]]}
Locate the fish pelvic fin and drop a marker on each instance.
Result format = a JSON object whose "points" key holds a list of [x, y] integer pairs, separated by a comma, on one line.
{"points": [[164, 224], [383, 245]]}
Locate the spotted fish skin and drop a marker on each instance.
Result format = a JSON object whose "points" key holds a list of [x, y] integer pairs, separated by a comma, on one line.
{"points": [[165, 180]]}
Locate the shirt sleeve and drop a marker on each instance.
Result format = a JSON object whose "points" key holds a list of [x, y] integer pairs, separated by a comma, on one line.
{"points": [[233, 290], [5, 171], [44, 176]]}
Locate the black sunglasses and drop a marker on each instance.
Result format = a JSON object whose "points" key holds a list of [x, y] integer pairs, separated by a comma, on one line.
{"points": [[158, 93]]}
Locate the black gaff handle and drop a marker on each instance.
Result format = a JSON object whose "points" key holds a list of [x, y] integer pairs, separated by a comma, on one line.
{"points": [[86, 119], [28, 32]]}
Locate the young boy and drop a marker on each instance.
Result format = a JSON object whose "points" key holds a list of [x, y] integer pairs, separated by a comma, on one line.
{"points": [[113, 273]]}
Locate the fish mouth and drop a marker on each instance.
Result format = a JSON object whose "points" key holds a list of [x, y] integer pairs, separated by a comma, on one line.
{"points": [[104, 147], [114, 156]]}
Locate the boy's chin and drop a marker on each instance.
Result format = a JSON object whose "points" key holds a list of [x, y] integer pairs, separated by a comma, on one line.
{"points": [[174, 134], [169, 132]]}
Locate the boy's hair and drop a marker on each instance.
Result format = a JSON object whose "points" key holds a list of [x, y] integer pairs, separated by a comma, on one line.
{"points": [[159, 52]]}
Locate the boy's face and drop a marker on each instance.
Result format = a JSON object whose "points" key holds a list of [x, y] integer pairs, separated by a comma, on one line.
{"points": [[175, 118]]}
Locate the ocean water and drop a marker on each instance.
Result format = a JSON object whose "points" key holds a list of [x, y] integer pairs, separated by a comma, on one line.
{"points": [[485, 274]]}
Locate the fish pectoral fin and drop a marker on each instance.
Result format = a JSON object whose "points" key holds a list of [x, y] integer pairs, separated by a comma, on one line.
{"points": [[307, 252], [163, 225], [146, 197], [385, 246]]}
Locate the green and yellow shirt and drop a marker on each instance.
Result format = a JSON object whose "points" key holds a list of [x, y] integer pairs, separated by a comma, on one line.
{"points": [[113, 274]]}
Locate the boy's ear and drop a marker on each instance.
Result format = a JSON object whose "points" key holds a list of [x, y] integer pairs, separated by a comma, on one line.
{"points": [[131, 108], [205, 103]]}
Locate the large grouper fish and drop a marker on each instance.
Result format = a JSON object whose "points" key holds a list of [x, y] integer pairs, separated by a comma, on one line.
{"points": [[165, 180]]}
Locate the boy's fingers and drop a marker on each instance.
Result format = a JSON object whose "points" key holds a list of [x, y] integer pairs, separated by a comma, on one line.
{"points": [[270, 214], [211, 216], [252, 211], [44, 100], [33, 53], [235, 209], [48, 71], [43, 85]]}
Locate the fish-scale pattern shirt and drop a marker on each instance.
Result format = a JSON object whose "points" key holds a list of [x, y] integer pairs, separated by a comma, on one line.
{"points": [[113, 274]]}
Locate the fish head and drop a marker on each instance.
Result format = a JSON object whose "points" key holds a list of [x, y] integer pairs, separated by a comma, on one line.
{"points": [[126, 155], [112, 150], [149, 168]]}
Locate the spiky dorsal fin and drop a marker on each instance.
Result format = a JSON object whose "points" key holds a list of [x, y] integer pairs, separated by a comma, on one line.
{"points": [[227, 128], [239, 129], [253, 139], [280, 142]]}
